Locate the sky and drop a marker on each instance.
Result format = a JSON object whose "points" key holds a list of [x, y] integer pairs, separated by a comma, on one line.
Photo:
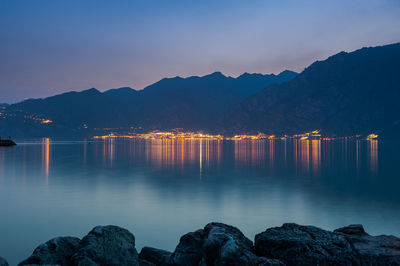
{"points": [[53, 46]]}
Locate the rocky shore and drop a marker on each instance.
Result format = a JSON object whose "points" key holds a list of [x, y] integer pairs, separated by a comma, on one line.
{"points": [[221, 244]]}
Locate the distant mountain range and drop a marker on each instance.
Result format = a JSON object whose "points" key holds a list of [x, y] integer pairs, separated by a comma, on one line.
{"points": [[193, 103], [346, 94]]}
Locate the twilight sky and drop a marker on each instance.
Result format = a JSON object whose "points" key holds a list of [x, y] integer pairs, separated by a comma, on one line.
{"points": [[53, 46]]}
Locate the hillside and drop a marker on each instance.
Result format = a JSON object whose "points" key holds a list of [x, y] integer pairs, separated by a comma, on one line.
{"points": [[190, 103], [348, 93]]}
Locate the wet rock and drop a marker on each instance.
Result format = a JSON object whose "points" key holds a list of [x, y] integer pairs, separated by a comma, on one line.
{"points": [[353, 229], [58, 250], [262, 261], [217, 244], [154, 256], [308, 245], [189, 250], [3, 262], [221, 244], [226, 245], [305, 245], [107, 245], [146, 263], [373, 250]]}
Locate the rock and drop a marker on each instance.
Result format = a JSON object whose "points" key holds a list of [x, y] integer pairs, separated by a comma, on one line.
{"points": [[145, 263], [107, 245], [262, 261], [221, 244], [217, 244], [3, 262], [189, 250], [374, 250], [154, 256], [58, 250], [305, 245], [353, 229], [308, 245], [226, 245]]}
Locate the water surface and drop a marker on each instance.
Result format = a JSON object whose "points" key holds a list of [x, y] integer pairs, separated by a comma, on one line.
{"points": [[161, 189]]}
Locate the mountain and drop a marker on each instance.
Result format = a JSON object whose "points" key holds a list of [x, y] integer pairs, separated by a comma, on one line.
{"points": [[348, 93], [198, 102], [190, 103]]}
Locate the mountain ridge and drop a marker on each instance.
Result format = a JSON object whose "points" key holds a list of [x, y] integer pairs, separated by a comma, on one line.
{"points": [[192, 102], [348, 93]]}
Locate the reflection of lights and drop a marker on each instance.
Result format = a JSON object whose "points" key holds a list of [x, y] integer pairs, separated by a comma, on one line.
{"points": [[46, 157], [305, 154], [168, 153], [373, 154], [271, 144], [306, 157], [316, 155], [201, 156]]}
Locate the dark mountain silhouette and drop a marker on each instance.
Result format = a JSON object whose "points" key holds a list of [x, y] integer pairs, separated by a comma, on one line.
{"points": [[191, 103], [198, 102], [348, 93]]}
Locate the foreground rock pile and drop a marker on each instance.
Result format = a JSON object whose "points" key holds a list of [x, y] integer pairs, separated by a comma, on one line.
{"points": [[221, 244]]}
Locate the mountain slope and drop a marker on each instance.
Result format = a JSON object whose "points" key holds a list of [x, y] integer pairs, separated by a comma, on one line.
{"points": [[348, 93], [190, 103], [198, 102], [74, 109]]}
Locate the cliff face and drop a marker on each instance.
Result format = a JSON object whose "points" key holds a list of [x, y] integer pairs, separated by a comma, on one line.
{"points": [[221, 244]]}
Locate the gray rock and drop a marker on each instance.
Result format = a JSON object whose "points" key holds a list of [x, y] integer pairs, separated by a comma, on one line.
{"points": [[189, 250], [145, 263], [305, 245], [374, 250], [308, 245], [217, 244], [3, 262], [58, 250], [154, 256], [353, 229], [226, 245], [107, 245], [262, 261]]}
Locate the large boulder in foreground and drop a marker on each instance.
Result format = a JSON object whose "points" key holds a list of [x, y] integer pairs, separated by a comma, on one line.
{"points": [[217, 244], [107, 245], [308, 245], [57, 251], [3, 262], [373, 250]]}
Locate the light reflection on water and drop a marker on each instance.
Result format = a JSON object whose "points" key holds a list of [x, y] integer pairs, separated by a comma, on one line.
{"points": [[304, 155], [162, 188]]}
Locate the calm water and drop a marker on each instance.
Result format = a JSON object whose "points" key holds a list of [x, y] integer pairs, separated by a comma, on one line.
{"points": [[160, 190]]}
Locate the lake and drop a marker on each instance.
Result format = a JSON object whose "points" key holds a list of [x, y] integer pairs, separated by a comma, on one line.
{"points": [[162, 189]]}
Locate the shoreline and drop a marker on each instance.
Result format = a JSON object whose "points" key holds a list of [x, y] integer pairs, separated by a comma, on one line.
{"points": [[221, 244]]}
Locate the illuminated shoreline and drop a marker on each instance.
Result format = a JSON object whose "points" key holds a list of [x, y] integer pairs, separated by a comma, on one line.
{"points": [[202, 136]]}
